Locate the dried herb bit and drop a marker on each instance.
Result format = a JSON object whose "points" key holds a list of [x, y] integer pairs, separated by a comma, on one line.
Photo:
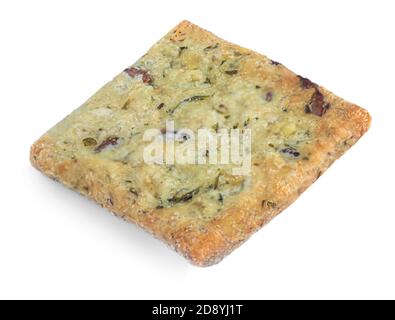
{"points": [[184, 197], [275, 63], [182, 49], [349, 141], [247, 122], [207, 81], [232, 72], [317, 104], [221, 198], [216, 182], [188, 100], [194, 98], [290, 151], [306, 83], [266, 204], [89, 142], [221, 108], [133, 191], [160, 106], [257, 87], [110, 202], [126, 104], [269, 97], [135, 72], [110, 141], [212, 47]]}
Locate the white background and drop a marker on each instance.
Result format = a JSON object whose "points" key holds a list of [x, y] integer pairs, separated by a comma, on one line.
{"points": [[336, 241]]}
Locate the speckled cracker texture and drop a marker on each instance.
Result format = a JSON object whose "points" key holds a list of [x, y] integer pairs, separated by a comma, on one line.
{"points": [[198, 80]]}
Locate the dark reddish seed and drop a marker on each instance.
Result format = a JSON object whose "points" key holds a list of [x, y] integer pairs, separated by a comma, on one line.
{"points": [[291, 151], [269, 97], [317, 104], [306, 83], [111, 141], [275, 63], [147, 78], [134, 72], [160, 106]]}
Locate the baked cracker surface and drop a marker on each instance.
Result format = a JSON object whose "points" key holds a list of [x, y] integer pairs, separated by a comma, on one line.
{"points": [[199, 81]]}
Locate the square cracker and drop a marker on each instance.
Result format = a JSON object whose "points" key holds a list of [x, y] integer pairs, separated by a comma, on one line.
{"points": [[298, 130]]}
